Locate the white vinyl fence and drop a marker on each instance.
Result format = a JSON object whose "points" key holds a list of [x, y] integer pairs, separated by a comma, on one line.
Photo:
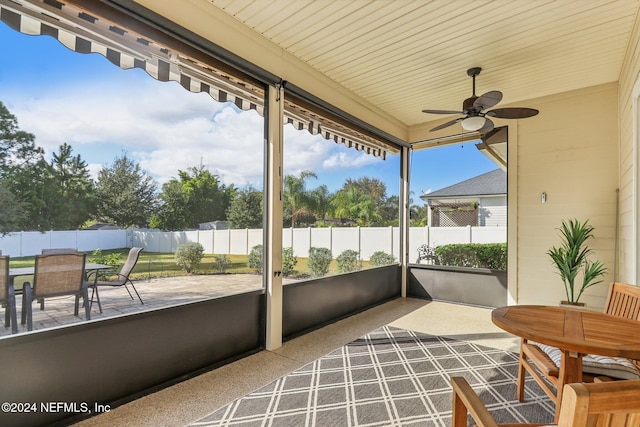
{"points": [[365, 240]]}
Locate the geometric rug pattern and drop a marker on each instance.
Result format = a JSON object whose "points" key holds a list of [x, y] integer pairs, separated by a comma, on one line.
{"points": [[389, 377]]}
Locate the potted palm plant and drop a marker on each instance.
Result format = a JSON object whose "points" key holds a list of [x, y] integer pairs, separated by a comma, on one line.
{"points": [[571, 258]]}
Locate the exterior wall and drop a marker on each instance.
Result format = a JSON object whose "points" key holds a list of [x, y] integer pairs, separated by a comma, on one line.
{"points": [[492, 211], [569, 151], [628, 162]]}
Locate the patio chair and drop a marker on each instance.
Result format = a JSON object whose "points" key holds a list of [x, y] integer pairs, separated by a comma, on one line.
{"points": [[59, 251], [604, 404], [8, 296], [122, 279], [55, 275], [55, 251], [542, 362]]}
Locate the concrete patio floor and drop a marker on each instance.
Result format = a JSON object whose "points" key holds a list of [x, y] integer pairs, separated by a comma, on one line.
{"points": [[155, 292], [188, 401]]}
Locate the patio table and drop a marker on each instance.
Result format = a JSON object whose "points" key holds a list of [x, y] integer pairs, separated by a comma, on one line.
{"points": [[89, 268], [576, 332]]}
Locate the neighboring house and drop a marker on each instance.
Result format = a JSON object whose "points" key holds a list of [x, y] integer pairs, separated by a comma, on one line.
{"points": [[214, 225], [103, 226], [481, 200]]}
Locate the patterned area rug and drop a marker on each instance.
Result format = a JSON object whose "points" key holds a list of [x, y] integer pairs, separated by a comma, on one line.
{"points": [[389, 377]]}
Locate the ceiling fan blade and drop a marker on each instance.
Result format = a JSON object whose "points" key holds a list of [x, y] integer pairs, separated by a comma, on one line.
{"points": [[488, 99], [447, 124], [512, 113], [442, 112], [488, 126]]}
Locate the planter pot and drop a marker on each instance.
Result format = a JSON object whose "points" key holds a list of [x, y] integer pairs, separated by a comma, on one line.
{"points": [[573, 304]]}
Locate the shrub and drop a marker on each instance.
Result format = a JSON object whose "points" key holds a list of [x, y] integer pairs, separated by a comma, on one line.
{"points": [[221, 263], [254, 261], [113, 259], [189, 256], [477, 255], [319, 261], [379, 258], [289, 261], [348, 261]]}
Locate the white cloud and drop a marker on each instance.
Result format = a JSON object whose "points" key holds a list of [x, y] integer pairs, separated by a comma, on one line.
{"points": [[344, 160], [166, 129]]}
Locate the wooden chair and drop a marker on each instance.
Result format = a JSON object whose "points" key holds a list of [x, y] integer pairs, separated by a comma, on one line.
{"points": [[55, 275], [542, 362], [607, 404], [8, 296]]}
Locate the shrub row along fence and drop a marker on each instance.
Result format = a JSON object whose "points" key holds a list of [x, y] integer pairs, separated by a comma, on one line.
{"points": [[364, 240]]}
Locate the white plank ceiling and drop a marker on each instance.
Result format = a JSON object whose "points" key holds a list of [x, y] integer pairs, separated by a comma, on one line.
{"points": [[407, 55]]}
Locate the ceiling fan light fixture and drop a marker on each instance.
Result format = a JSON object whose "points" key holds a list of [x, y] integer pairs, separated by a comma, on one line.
{"points": [[473, 123], [474, 107]]}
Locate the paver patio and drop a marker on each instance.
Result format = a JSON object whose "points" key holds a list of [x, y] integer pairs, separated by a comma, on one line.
{"points": [[156, 293]]}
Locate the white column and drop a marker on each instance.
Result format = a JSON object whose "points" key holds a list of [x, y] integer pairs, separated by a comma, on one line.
{"points": [[273, 216], [404, 217]]}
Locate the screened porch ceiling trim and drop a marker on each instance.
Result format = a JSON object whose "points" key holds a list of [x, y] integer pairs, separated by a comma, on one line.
{"points": [[85, 31]]}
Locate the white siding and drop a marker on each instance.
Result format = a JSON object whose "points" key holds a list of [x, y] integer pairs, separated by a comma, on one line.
{"points": [[492, 211]]}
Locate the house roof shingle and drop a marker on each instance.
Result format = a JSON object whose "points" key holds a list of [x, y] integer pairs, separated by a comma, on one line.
{"points": [[490, 183]]}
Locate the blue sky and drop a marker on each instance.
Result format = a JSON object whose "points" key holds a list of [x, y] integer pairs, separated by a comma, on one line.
{"points": [[103, 112]]}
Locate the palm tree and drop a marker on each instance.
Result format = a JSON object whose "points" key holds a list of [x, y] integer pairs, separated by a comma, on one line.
{"points": [[321, 199], [297, 200], [352, 204]]}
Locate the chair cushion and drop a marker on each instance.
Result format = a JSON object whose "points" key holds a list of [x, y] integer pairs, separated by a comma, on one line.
{"points": [[615, 367]]}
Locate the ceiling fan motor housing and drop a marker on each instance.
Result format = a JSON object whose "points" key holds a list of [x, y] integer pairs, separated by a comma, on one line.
{"points": [[468, 108]]}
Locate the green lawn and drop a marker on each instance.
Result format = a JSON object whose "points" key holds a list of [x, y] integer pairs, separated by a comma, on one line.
{"points": [[151, 264]]}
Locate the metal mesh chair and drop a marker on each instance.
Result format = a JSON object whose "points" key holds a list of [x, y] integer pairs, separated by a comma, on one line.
{"points": [[8, 296], [55, 275], [55, 251], [122, 279], [59, 251]]}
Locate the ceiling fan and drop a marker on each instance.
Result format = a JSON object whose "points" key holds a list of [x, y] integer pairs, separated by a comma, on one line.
{"points": [[475, 118]]}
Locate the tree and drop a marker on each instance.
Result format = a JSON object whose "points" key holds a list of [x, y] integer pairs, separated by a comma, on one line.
{"points": [[17, 147], [245, 210], [13, 211], [321, 201], [28, 187], [389, 210], [371, 187], [350, 203], [419, 215], [172, 207], [365, 200], [68, 191], [125, 194], [21, 174], [298, 202], [196, 196]]}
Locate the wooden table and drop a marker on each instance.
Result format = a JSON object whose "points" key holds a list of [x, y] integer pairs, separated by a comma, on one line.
{"points": [[575, 332]]}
